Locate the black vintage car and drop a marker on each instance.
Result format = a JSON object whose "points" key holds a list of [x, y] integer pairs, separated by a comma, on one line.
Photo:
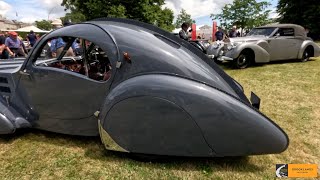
{"points": [[142, 89]]}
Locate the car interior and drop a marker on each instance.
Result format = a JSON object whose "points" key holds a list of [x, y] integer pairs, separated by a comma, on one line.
{"points": [[78, 56], [285, 32]]}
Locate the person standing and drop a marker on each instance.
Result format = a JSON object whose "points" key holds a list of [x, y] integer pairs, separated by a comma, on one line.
{"points": [[3, 52], [31, 38], [14, 45], [183, 34], [233, 32], [58, 44], [219, 34]]}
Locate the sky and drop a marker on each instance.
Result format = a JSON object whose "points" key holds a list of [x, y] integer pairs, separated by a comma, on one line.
{"points": [[31, 10]]}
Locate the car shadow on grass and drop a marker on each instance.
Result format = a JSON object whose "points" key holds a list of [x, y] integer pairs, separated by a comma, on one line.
{"points": [[205, 165], [94, 149]]}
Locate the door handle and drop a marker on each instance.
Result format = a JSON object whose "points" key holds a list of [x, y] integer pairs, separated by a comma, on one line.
{"points": [[24, 72]]}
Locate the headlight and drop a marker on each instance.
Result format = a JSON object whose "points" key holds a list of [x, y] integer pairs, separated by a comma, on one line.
{"points": [[230, 46], [215, 45], [206, 45], [221, 53], [233, 45]]}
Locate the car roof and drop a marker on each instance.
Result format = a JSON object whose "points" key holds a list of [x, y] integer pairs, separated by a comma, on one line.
{"points": [[298, 30]]}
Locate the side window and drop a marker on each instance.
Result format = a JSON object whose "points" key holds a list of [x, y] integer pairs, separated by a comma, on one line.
{"points": [[75, 55], [286, 32]]}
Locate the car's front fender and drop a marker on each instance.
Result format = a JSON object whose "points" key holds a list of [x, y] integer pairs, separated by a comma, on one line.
{"points": [[261, 55], [212, 50]]}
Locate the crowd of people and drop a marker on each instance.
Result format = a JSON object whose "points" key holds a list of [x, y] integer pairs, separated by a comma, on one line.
{"points": [[219, 35], [12, 45], [222, 35]]}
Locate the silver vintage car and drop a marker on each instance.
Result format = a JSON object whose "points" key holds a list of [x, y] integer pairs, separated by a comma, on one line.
{"points": [[265, 44]]}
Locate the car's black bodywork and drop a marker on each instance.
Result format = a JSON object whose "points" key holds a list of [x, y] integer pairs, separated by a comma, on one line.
{"points": [[164, 97]]}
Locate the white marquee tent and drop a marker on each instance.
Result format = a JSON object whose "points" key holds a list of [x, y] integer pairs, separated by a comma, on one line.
{"points": [[29, 28]]}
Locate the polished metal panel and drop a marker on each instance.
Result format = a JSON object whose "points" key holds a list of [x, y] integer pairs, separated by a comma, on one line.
{"points": [[107, 141], [6, 126], [168, 54], [283, 47], [153, 125], [222, 118]]}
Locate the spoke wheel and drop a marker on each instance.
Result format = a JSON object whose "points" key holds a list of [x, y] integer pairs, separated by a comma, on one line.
{"points": [[243, 61], [305, 56]]}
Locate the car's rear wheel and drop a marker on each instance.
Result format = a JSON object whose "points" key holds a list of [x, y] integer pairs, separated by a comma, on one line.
{"points": [[308, 52], [244, 59]]}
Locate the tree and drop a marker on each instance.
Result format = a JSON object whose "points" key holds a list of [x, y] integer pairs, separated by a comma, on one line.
{"points": [[74, 17], [305, 13], [148, 11], [244, 14], [44, 25], [183, 17]]}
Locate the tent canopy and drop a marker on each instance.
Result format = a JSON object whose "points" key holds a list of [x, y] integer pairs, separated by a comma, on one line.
{"points": [[29, 28]]}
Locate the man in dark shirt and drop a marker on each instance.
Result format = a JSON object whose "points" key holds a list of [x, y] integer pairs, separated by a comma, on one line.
{"points": [[32, 38], [183, 34], [2, 38], [233, 32], [219, 34], [3, 54]]}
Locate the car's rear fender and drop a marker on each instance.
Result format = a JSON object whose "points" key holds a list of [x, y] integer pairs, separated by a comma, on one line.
{"points": [[307, 43], [229, 126]]}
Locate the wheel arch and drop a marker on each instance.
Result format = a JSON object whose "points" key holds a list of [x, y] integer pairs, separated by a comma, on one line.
{"points": [[250, 52], [260, 54], [308, 44]]}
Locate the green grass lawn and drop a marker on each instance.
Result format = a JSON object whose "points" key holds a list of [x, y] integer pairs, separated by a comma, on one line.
{"points": [[290, 94]]}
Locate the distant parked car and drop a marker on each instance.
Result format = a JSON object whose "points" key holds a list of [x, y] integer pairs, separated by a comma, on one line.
{"points": [[265, 44]]}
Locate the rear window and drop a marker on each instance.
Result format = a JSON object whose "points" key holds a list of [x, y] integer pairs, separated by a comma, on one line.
{"points": [[286, 31]]}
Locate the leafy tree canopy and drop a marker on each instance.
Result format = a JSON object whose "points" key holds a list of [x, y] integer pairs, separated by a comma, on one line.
{"points": [[303, 12], [74, 17], [183, 17], [148, 11], [245, 14], [44, 25]]}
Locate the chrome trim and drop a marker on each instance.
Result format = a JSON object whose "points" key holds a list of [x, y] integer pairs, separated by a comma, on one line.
{"points": [[107, 141], [225, 58], [211, 56]]}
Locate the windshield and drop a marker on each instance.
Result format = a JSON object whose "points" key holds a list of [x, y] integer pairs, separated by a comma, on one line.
{"points": [[261, 31]]}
